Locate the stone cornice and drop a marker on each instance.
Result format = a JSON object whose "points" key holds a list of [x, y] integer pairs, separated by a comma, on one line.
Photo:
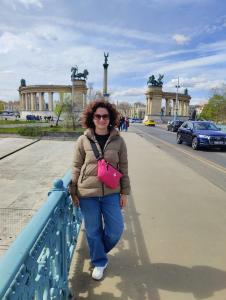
{"points": [[46, 89]]}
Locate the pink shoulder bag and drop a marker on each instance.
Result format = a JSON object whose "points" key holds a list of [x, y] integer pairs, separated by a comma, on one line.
{"points": [[106, 173]]}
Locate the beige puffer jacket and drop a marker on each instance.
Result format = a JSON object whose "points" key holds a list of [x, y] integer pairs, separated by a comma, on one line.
{"points": [[84, 172]]}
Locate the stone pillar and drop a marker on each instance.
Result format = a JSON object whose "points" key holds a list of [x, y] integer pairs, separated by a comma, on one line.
{"points": [[186, 108], [179, 107], [155, 96], [167, 111], [174, 107], [50, 101], [26, 101], [79, 92], [182, 108], [32, 101], [22, 102], [41, 101]]}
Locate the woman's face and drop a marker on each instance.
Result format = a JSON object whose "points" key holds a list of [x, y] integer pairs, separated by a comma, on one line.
{"points": [[101, 118]]}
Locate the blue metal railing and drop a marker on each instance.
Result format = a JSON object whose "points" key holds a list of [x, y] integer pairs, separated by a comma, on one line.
{"points": [[36, 265]]}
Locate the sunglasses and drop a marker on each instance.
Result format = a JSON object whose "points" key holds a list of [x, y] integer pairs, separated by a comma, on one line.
{"points": [[104, 117]]}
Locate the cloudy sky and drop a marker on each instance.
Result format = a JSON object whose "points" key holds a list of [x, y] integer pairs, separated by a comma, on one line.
{"points": [[40, 40]]}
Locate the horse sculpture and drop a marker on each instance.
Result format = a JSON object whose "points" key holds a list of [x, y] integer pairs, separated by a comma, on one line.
{"points": [[74, 70], [76, 75], [84, 74], [153, 82]]}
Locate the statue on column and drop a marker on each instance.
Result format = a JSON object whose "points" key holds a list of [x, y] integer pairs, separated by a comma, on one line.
{"points": [[106, 58], [22, 82]]}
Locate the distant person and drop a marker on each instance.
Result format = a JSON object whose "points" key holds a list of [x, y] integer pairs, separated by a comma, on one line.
{"points": [[126, 126], [121, 123], [100, 205]]}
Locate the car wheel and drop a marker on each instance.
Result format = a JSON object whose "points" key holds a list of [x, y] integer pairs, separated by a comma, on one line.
{"points": [[195, 143], [179, 140]]}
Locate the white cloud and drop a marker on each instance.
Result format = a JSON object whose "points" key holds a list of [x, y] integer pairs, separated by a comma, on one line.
{"points": [[129, 92], [181, 39], [199, 83], [28, 3]]}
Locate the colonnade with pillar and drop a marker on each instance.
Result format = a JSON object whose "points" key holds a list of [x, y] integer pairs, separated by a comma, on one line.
{"points": [[32, 98], [172, 108], [155, 102], [36, 101]]}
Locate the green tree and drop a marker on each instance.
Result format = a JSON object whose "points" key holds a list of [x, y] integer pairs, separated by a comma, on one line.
{"points": [[58, 111], [215, 109]]}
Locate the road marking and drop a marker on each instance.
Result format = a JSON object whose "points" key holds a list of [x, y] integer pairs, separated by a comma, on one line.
{"points": [[203, 160]]}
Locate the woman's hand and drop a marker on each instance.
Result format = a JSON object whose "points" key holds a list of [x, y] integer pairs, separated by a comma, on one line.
{"points": [[72, 192], [123, 200], [75, 199]]}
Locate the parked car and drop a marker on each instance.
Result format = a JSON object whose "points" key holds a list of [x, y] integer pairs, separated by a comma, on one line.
{"points": [[149, 123], [135, 120], [201, 134], [174, 125]]}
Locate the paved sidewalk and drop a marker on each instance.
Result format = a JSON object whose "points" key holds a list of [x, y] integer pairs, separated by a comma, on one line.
{"points": [[173, 247]]}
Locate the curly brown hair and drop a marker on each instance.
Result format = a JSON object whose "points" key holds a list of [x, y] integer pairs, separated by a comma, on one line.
{"points": [[87, 117]]}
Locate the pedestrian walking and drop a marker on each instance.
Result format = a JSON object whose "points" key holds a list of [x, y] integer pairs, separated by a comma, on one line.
{"points": [[126, 123], [121, 123], [100, 204]]}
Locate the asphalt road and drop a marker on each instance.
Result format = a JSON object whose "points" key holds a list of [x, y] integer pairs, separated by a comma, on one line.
{"points": [[210, 164]]}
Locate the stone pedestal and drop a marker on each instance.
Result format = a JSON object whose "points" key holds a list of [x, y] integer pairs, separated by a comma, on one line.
{"points": [[154, 100], [79, 93]]}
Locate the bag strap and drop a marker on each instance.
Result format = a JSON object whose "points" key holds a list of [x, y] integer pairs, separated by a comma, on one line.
{"points": [[95, 150]]}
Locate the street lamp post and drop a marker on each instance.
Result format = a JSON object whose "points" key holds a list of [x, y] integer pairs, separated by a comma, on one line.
{"points": [[176, 110]]}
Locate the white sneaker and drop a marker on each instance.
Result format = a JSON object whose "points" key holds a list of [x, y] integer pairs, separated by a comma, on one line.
{"points": [[98, 272]]}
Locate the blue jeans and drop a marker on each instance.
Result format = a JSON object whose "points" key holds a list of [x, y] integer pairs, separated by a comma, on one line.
{"points": [[103, 224]]}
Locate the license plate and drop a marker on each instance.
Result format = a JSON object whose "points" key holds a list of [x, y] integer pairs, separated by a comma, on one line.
{"points": [[218, 142]]}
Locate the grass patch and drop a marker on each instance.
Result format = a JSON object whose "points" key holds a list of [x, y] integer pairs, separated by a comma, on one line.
{"points": [[9, 122], [38, 131]]}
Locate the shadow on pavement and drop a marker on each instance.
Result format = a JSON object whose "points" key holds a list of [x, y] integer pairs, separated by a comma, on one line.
{"points": [[131, 275]]}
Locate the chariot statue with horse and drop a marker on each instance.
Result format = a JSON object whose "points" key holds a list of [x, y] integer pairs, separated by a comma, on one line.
{"points": [[153, 82], [76, 75]]}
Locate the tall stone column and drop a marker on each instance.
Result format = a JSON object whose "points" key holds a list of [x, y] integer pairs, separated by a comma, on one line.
{"points": [[50, 101], [105, 83]]}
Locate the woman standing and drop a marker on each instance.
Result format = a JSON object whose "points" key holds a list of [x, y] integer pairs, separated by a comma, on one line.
{"points": [[100, 205]]}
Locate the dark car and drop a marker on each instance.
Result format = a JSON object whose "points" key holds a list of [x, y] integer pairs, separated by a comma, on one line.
{"points": [[174, 125], [201, 134]]}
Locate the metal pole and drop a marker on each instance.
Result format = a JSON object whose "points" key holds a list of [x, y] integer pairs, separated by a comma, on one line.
{"points": [[177, 87]]}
